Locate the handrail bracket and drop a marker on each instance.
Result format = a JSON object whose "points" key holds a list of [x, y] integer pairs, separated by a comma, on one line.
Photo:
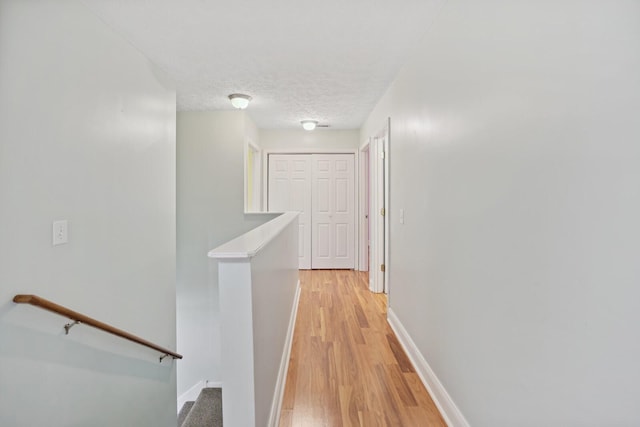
{"points": [[70, 325], [167, 354]]}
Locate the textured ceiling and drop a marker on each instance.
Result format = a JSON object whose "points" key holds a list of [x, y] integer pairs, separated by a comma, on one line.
{"points": [[327, 60]]}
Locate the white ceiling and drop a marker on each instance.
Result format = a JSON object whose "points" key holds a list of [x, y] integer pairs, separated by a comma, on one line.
{"points": [[327, 60]]}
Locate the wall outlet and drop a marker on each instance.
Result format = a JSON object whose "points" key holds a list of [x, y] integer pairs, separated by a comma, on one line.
{"points": [[60, 232]]}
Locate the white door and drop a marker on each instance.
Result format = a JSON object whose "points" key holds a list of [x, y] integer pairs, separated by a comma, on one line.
{"points": [[333, 211], [290, 190]]}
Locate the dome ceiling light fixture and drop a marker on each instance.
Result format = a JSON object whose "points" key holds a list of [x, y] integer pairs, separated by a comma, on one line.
{"points": [[239, 100], [309, 124]]}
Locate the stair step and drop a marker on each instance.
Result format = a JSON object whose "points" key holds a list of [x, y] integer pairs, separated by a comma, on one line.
{"points": [[207, 409], [184, 411]]}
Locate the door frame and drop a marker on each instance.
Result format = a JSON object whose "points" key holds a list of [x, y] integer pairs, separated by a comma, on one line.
{"points": [[364, 188], [356, 184], [379, 197], [257, 176]]}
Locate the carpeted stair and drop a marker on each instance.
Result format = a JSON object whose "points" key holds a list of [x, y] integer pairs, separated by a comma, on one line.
{"points": [[206, 411]]}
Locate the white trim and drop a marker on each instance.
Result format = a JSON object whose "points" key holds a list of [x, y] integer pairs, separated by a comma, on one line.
{"points": [[310, 150], [448, 409], [250, 145], [253, 145], [278, 395], [363, 255], [379, 200], [380, 195], [387, 207], [363, 195], [245, 184]]}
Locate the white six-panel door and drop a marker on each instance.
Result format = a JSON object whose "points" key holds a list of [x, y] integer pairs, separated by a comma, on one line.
{"points": [[321, 187], [333, 211], [290, 190]]}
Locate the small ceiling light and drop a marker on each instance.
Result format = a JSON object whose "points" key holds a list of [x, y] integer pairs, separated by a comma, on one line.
{"points": [[309, 124], [239, 100]]}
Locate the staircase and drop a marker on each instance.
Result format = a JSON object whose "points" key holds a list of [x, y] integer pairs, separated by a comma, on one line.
{"points": [[205, 411]]}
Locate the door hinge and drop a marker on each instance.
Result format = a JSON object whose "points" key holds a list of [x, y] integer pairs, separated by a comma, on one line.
{"points": [[382, 154], [382, 211], [382, 267]]}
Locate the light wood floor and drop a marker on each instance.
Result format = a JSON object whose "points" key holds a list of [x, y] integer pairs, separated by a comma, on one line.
{"points": [[347, 368]]}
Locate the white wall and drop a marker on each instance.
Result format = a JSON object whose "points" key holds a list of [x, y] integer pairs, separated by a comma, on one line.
{"points": [[515, 154], [251, 131], [274, 272], [87, 134], [258, 276], [210, 169], [323, 139]]}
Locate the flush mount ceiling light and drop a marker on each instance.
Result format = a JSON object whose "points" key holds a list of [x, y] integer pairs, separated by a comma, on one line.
{"points": [[239, 100], [309, 124]]}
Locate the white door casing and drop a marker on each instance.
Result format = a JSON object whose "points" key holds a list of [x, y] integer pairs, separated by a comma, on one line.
{"points": [[380, 215], [333, 211], [253, 178], [290, 190], [364, 208], [379, 210]]}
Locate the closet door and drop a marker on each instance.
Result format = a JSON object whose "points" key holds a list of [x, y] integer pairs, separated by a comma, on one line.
{"points": [[289, 189], [333, 211]]}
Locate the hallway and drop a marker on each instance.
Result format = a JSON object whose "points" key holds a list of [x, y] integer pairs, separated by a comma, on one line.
{"points": [[347, 368]]}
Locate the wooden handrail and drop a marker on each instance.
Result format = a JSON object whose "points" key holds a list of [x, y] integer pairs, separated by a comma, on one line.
{"points": [[81, 318]]}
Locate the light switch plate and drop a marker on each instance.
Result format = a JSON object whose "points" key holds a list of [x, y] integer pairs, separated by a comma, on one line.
{"points": [[60, 232]]}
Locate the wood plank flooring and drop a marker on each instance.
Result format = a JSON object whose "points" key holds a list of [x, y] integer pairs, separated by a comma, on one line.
{"points": [[347, 368]]}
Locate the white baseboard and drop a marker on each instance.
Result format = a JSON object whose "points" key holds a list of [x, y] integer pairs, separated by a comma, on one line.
{"points": [[450, 412], [192, 394], [276, 405]]}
